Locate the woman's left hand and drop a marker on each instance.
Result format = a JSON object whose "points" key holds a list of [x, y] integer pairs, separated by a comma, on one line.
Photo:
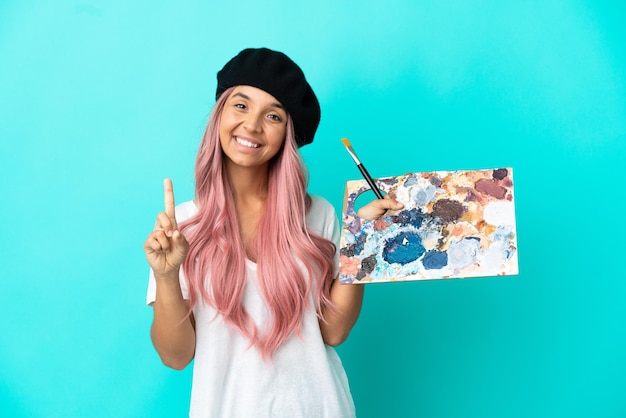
{"points": [[377, 208]]}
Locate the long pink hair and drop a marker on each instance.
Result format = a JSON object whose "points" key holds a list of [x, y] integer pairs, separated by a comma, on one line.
{"points": [[215, 264]]}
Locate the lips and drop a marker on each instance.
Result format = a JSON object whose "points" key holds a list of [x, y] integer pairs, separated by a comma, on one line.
{"points": [[246, 143]]}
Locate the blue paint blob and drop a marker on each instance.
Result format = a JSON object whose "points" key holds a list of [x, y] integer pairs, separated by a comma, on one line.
{"points": [[356, 247], [403, 248], [359, 243], [413, 217], [434, 259], [410, 181], [463, 253], [422, 194]]}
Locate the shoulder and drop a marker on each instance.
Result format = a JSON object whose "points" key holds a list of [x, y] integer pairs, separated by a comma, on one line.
{"points": [[320, 207], [321, 215], [185, 211]]}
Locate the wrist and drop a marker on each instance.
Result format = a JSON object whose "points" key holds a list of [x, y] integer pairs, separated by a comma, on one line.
{"points": [[167, 277]]}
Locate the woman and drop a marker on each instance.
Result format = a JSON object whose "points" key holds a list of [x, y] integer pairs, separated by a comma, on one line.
{"points": [[247, 285]]}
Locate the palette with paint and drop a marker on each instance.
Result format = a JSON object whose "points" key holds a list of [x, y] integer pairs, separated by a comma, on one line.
{"points": [[454, 224]]}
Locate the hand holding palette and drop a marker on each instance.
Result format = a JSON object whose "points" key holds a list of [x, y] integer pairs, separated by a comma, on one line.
{"points": [[454, 224]]}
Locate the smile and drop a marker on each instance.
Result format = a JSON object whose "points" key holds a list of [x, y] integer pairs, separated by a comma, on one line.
{"points": [[246, 143]]}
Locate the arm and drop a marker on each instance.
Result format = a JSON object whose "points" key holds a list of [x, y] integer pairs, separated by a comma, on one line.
{"points": [[348, 299], [337, 323], [173, 328]]}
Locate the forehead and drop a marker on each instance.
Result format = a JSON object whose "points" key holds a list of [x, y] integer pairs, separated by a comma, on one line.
{"points": [[256, 95]]}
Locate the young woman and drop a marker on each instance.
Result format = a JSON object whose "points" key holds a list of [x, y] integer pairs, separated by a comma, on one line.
{"points": [[243, 278]]}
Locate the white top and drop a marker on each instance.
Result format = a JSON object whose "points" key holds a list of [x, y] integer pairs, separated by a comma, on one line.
{"points": [[305, 379]]}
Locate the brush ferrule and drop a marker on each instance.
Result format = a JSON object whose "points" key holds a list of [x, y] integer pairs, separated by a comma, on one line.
{"points": [[353, 155]]}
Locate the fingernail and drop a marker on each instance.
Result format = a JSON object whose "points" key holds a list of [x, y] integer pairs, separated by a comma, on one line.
{"points": [[169, 233]]}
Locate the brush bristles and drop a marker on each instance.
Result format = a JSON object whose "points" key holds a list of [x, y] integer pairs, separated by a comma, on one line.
{"points": [[350, 150]]}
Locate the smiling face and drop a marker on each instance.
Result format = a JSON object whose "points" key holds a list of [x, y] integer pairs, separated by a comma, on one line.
{"points": [[252, 127]]}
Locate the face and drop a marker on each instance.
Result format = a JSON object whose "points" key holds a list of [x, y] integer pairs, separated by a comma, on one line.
{"points": [[252, 128]]}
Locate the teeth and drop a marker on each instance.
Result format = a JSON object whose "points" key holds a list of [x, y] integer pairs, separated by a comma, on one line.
{"points": [[246, 143]]}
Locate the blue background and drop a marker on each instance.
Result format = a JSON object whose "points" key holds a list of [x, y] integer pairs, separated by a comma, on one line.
{"points": [[99, 101]]}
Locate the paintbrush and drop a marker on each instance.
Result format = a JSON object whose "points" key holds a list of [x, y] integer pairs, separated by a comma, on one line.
{"points": [[359, 164]]}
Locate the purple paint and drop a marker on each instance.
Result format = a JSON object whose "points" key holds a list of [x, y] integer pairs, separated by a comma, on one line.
{"points": [[490, 188], [435, 181], [500, 173]]}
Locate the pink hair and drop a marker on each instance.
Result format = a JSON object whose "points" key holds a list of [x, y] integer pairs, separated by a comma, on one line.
{"points": [[215, 265]]}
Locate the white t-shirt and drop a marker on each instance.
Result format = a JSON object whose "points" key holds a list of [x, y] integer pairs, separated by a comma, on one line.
{"points": [[305, 379]]}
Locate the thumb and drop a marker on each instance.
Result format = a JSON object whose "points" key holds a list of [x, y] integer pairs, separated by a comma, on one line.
{"points": [[180, 242], [377, 208]]}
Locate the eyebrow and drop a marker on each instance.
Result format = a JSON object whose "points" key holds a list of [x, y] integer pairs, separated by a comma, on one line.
{"points": [[246, 97]]}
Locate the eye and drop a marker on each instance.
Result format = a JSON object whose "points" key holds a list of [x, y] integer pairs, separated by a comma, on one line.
{"points": [[240, 106], [275, 117]]}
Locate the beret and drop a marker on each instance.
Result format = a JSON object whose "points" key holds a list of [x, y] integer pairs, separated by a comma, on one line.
{"points": [[276, 74]]}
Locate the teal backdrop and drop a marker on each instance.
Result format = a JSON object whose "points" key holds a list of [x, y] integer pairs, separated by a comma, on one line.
{"points": [[100, 100]]}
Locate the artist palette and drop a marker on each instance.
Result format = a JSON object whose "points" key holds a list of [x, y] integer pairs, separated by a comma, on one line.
{"points": [[454, 224]]}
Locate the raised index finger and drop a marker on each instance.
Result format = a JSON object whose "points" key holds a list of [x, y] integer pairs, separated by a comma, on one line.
{"points": [[168, 188]]}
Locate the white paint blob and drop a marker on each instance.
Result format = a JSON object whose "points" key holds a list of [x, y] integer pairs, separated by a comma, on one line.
{"points": [[499, 213]]}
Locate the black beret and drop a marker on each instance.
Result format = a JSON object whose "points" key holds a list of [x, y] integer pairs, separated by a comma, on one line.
{"points": [[275, 73]]}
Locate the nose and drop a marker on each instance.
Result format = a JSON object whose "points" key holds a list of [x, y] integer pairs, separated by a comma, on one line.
{"points": [[253, 122]]}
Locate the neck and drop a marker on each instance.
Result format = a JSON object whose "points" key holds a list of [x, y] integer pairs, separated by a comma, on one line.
{"points": [[248, 183], [249, 187]]}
